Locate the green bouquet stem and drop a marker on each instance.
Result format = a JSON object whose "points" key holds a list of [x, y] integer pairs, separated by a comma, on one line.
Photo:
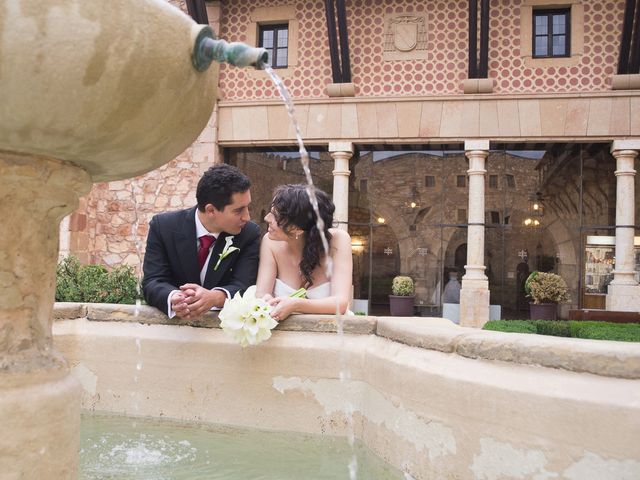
{"points": [[300, 293]]}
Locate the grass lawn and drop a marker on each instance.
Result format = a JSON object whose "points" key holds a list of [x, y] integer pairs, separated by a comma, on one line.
{"points": [[622, 332]]}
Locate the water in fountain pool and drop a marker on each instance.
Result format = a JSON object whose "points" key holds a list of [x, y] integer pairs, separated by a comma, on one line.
{"points": [[160, 449]]}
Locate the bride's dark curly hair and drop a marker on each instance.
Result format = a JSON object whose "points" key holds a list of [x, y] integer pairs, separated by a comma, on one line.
{"points": [[292, 208]]}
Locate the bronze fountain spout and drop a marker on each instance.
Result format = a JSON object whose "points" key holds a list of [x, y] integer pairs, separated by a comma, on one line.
{"points": [[207, 49]]}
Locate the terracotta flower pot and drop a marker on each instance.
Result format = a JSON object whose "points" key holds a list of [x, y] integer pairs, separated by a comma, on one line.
{"points": [[401, 306], [543, 311]]}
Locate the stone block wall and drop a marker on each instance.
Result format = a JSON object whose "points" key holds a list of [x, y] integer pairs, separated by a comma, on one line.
{"points": [[111, 225]]}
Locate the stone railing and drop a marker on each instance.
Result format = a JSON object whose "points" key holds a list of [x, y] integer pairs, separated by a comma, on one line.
{"points": [[599, 357]]}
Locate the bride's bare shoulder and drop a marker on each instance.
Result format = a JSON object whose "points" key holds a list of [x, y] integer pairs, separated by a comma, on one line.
{"points": [[339, 236], [273, 245]]}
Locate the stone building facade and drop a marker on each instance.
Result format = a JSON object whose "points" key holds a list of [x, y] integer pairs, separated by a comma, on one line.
{"points": [[438, 162]]}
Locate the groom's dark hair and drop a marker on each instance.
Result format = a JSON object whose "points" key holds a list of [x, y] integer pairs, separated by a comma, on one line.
{"points": [[218, 184]]}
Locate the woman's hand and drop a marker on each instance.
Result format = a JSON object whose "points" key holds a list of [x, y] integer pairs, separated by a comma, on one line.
{"points": [[282, 307]]}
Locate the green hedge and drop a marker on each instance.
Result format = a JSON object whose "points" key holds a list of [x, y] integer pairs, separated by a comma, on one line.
{"points": [[555, 329], [513, 326], [94, 283], [622, 332]]}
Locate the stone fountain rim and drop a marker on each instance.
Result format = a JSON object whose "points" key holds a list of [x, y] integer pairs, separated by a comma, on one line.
{"points": [[598, 357]]}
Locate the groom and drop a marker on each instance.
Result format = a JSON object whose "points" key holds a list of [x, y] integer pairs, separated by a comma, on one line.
{"points": [[198, 257]]}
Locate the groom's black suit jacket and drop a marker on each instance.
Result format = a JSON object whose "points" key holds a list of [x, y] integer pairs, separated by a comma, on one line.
{"points": [[171, 258]]}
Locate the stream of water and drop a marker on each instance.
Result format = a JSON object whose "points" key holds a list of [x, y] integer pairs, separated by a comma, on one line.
{"points": [[345, 373]]}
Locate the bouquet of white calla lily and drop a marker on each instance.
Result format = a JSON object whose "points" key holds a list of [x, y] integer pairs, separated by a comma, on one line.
{"points": [[226, 251], [247, 318]]}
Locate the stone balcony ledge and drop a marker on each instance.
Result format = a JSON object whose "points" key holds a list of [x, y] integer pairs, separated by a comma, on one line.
{"points": [[598, 357], [450, 119]]}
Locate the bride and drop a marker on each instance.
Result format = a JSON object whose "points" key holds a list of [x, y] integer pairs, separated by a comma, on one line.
{"points": [[292, 256]]}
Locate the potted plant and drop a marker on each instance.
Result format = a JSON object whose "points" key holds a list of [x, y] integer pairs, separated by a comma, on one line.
{"points": [[546, 290], [401, 301]]}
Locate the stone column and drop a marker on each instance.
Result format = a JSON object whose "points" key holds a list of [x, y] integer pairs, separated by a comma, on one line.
{"points": [[474, 294], [341, 152], [39, 399], [624, 292]]}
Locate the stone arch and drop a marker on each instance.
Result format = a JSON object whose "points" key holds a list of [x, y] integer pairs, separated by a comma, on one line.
{"points": [[456, 241], [460, 256], [568, 267]]}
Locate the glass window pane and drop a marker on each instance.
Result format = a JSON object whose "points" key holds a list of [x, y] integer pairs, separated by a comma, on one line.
{"points": [[282, 38], [540, 47], [541, 25], [511, 181], [559, 23], [281, 60], [559, 45], [267, 38]]}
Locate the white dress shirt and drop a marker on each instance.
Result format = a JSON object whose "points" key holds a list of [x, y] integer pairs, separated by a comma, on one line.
{"points": [[200, 232]]}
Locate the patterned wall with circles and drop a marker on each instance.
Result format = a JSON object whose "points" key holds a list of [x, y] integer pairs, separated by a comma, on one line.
{"points": [[313, 71], [602, 30], [445, 67]]}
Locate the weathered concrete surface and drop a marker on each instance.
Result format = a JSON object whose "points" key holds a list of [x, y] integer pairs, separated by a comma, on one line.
{"points": [[427, 396], [105, 312], [600, 357], [615, 359], [108, 86], [434, 333], [63, 310], [40, 427], [39, 399]]}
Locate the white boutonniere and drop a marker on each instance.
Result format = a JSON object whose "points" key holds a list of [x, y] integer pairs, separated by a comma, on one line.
{"points": [[226, 251]]}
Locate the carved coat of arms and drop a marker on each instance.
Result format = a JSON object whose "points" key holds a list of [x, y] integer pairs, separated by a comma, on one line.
{"points": [[405, 35]]}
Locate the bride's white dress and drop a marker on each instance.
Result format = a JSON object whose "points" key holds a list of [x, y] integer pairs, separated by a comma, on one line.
{"points": [[323, 290], [281, 289]]}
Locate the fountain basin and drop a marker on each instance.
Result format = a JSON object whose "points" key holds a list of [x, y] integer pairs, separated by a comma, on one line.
{"points": [[434, 399], [143, 448], [108, 86]]}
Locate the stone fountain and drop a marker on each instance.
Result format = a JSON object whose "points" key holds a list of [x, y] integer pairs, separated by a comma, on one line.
{"points": [[90, 91]]}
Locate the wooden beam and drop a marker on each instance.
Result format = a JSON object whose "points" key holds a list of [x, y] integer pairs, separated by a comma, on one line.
{"points": [[484, 39], [344, 41], [473, 38], [336, 72], [203, 18], [198, 11], [625, 39], [634, 58], [192, 9]]}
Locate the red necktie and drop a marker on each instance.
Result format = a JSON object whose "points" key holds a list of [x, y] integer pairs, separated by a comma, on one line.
{"points": [[205, 244]]}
